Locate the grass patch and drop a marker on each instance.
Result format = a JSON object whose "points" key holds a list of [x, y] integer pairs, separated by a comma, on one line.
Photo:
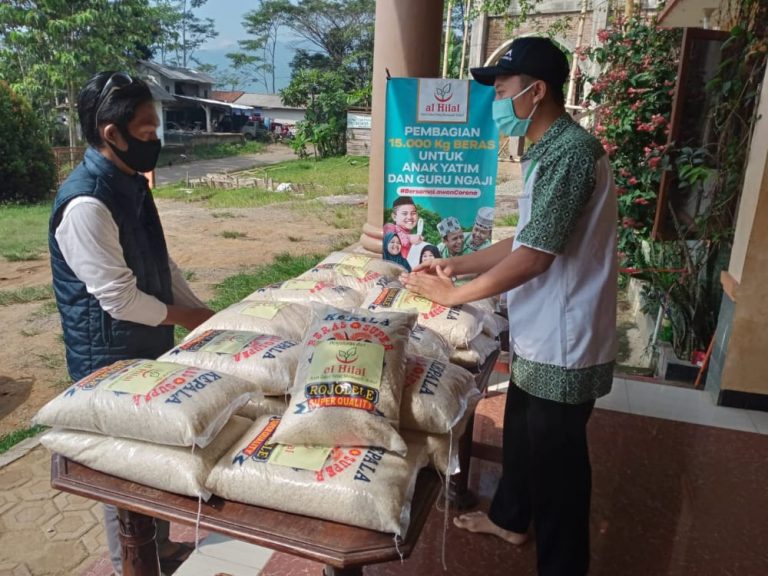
{"points": [[25, 295], [330, 176], [47, 309], [233, 234], [7, 441], [295, 238], [339, 175], [217, 198], [24, 231], [283, 267], [173, 155], [189, 275], [508, 220], [225, 215]]}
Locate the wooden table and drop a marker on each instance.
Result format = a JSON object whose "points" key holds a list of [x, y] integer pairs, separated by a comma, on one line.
{"points": [[344, 549]]}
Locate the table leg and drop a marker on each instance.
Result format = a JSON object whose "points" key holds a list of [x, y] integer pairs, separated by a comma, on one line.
{"points": [[333, 571], [137, 537]]}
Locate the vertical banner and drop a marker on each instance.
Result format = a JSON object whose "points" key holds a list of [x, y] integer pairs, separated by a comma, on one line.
{"points": [[439, 167]]}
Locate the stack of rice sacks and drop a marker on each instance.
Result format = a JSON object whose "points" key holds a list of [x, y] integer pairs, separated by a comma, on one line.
{"points": [[341, 398]]}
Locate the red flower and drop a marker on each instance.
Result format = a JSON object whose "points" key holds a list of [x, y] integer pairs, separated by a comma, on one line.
{"points": [[627, 222], [632, 181], [641, 201], [654, 162]]}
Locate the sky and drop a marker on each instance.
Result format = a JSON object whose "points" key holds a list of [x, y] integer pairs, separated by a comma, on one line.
{"points": [[228, 16]]}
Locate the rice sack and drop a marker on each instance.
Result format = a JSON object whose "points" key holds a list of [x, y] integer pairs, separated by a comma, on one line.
{"points": [[362, 486], [458, 325], [287, 319], [436, 395], [443, 449], [266, 361], [266, 406], [304, 291], [147, 400], [367, 263], [349, 381], [171, 468], [425, 342], [358, 279], [477, 353]]}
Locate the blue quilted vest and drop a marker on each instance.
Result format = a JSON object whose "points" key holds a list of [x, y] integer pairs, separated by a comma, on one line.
{"points": [[93, 338]]}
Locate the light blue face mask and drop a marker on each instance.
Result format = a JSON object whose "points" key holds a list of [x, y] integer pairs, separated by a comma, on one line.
{"points": [[506, 119]]}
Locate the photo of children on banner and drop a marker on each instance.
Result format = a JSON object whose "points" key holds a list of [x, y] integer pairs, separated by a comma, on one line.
{"points": [[405, 218], [453, 237], [423, 252], [480, 237], [393, 250]]}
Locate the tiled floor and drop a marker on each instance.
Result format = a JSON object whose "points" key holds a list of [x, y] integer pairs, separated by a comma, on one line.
{"points": [[679, 490]]}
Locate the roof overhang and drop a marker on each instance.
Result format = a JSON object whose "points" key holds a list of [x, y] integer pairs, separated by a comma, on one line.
{"points": [[209, 102], [688, 13]]}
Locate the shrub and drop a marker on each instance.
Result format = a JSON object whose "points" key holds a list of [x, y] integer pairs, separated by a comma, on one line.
{"points": [[27, 169]]}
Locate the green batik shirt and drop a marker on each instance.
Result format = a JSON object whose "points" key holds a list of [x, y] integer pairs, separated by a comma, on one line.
{"points": [[563, 322]]}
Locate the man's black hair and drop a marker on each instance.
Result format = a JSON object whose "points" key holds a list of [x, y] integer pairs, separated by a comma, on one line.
{"points": [[119, 107]]}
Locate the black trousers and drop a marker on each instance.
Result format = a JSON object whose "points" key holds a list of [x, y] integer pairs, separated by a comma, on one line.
{"points": [[546, 478]]}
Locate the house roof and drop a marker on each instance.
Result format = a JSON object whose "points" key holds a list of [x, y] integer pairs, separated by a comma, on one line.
{"points": [[179, 73], [687, 13], [226, 96], [264, 101], [230, 105], [158, 92]]}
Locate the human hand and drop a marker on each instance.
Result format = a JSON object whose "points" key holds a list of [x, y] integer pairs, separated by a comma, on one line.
{"points": [[430, 267], [437, 287], [415, 238], [196, 316]]}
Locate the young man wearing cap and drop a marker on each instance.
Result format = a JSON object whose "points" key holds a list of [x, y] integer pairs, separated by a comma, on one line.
{"points": [[480, 237], [559, 274], [452, 235]]}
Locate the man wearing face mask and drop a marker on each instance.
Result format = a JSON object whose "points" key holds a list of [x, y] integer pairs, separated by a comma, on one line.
{"points": [[118, 291], [559, 274]]}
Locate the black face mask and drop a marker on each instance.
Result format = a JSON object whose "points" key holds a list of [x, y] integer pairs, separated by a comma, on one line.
{"points": [[141, 155]]}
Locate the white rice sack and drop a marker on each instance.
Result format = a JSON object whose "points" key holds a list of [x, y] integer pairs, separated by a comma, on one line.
{"points": [[493, 323], [366, 487], [176, 469], [349, 381], [366, 263], [425, 342], [266, 406], [477, 353], [443, 449], [304, 291], [266, 361], [458, 325], [358, 279], [286, 319], [147, 400], [436, 395]]}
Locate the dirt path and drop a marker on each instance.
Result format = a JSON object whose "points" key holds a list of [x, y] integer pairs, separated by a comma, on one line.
{"points": [[32, 367]]}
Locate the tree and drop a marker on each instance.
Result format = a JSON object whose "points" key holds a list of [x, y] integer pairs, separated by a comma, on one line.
{"points": [[258, 55], [323, 95], [49, 48], [179, 32], [27, 170]]}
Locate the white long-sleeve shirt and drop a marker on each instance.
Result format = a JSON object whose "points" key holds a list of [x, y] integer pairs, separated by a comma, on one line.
{"points": [[90, 243]]}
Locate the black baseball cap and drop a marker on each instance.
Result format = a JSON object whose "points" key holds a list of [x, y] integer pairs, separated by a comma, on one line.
{"points": [[531, 55]]}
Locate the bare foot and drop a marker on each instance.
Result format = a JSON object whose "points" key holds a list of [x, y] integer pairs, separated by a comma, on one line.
{"points": [[480, 523]]}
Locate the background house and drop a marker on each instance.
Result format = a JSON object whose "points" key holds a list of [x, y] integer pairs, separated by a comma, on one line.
{"points": [[192, 105]]}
